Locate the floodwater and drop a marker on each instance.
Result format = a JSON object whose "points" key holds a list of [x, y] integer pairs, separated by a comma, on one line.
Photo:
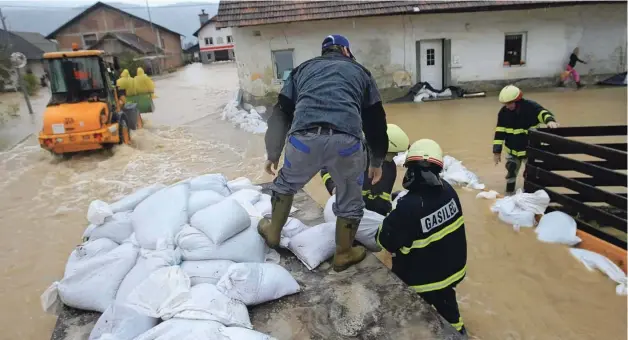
{"points": [[517, 288]]}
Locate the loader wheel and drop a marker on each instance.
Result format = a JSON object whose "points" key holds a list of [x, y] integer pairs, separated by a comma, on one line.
{"points": [[125, 132]]}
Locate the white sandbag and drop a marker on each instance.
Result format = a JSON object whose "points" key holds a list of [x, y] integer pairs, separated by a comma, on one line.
{"points": [[183, 329], [161, 216], [160, 293], [116, 228], [92, 283], [50, 301], [315, 244], [400, 159], [369, 224], [457, 174], [148, 262], [535, 202], [195, 245], [264, 206], [239, 333], [98, 211], [241, 183], [521, 208], [131, 201], [292, 227], [207, 303], [121, 323], [221, 221], [272, 256], [489, 195], [207, 271], [508, 212], [246, 195], [202, 199], [215, 182], [328, 212], [90, 249], [557, 227], [399, 196], [594, 261], [255, 283]]}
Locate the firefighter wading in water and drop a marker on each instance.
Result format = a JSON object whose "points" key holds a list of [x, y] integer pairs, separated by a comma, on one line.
{"points": [[323, 107], [426, 233], [514, 120], [377, 197]]}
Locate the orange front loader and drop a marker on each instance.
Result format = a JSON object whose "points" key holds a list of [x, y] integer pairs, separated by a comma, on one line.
{"points": [[84, 112]]}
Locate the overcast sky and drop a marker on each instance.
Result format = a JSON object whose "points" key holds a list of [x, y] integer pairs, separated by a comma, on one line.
{"points": [[74, 3]]}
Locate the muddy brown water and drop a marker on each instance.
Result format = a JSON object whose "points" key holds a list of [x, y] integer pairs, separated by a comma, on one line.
{"points": [[516, 288]]}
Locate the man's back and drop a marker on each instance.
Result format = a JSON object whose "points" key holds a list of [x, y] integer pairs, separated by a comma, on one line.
{"points": [[330, 90]]}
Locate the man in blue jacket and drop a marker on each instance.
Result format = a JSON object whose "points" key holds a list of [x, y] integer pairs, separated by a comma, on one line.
{"points": [[322, 109]]}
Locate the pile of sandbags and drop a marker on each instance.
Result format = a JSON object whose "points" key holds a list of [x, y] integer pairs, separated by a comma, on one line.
{"points": [[188, 254]]}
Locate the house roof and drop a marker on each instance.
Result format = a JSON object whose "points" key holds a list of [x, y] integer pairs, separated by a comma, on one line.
{"points": [[19, 44], [38, 40], [98, 5], [232, 13], [203, 25], [131, 40], [192, 49]]}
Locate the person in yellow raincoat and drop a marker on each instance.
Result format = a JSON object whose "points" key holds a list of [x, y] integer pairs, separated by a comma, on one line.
{"points": [[126, 83], [143, 83]]}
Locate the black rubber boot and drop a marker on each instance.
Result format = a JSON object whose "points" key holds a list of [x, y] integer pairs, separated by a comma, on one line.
{"points": [[579, 86]]}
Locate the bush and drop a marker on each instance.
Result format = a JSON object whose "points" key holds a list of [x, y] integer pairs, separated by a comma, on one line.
{"points": [[31, 82], [126, 62]]}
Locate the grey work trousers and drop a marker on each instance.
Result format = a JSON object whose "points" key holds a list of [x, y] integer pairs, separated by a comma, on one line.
{"points": [[343, 155]]}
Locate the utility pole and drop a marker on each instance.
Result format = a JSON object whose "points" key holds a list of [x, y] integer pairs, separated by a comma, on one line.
{"points": [[19, 74]]}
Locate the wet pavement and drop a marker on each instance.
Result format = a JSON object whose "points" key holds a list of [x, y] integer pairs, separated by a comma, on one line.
{"points": [[516, 288]]}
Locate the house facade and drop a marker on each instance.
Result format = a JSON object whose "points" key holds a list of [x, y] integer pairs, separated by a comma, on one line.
{"points": [[215, 43], [482, 46], [33, 46], [115, 31]]}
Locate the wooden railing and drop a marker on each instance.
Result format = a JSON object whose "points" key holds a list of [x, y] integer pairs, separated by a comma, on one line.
{"points": [[598, 212]]}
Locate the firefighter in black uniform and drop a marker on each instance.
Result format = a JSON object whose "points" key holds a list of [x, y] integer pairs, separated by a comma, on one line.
{"points": [[378, 197], [514, 120], [426, 233]]}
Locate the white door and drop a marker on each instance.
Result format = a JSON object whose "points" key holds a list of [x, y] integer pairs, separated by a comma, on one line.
{"points": [[431, 68]]}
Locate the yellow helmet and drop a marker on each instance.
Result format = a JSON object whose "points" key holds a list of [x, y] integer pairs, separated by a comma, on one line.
{"points": [[510, 93], [425, 150], [398, 141]]}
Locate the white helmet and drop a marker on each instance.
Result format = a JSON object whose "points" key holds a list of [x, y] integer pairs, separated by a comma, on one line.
{"points": [[425, 150], [510, 93], [398, 141]]}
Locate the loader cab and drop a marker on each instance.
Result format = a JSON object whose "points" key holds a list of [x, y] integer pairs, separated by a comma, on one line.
{"points": [[80, 76]]}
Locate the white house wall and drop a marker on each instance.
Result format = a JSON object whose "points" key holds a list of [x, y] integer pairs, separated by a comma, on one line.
{"points": [[386, 45], [210, 31]]}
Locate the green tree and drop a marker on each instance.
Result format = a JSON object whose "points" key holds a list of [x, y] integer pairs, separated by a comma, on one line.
{"points": [[31, 82], [127, 62]]}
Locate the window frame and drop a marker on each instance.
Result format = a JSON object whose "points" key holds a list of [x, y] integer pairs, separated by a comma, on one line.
{"points": [[85, 45], [274, 61], [210, 39], [523, 48], [229, 39], [427, 57], [220, 41]]}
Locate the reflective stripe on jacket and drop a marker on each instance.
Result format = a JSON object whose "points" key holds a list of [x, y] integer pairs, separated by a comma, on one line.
{"points": [[426, 232], [512, 126]]}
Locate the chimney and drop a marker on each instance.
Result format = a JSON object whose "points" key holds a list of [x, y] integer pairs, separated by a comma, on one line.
{"points": [[203, 17]]}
